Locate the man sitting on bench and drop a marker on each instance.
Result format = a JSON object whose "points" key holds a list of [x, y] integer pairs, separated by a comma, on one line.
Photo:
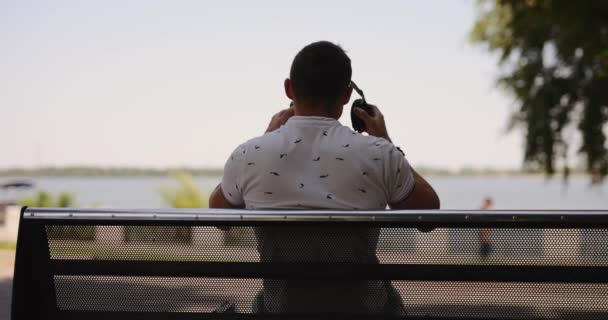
{"points": [[308, 160]]}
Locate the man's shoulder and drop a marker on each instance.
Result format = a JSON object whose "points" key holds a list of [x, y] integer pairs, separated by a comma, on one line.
{"points": [[267, 139], [363, 141], [345, 135]]}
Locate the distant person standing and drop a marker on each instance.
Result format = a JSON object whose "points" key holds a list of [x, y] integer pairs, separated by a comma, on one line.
{"points": [[485, 247], [487, 204]]}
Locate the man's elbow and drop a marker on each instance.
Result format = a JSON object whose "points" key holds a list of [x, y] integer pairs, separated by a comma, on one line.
{"points": [[212, 202], [435, 202], [431, 201], [214, 199], [428, 200]]}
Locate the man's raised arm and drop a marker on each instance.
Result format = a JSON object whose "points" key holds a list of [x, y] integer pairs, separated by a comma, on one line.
{"points": [[422, 195], [218, 201]]}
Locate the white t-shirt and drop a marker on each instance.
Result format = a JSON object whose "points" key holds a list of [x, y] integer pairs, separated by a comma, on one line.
{"points": [[316, 163]]}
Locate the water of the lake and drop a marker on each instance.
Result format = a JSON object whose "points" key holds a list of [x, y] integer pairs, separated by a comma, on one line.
{"points": [[529, 192]]}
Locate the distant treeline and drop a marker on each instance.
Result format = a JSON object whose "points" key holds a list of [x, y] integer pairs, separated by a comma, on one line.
{"points": [[105, 171], [131, 171]]}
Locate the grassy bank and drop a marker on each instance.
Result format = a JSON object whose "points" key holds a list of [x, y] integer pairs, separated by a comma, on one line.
{"points": [[7, 245]]}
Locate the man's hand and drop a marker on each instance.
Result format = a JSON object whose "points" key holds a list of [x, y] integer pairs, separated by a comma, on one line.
{"points": [[374, 122], [280, 118]]}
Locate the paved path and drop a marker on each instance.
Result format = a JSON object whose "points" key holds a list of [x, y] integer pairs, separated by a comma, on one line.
{"points": [[7, 259]]}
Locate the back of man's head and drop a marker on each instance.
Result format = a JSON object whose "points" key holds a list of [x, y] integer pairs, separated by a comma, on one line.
{"points": [[320, 73]]}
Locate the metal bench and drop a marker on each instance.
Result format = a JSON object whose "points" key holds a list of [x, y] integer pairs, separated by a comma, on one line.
{"points": [[230, 264]]}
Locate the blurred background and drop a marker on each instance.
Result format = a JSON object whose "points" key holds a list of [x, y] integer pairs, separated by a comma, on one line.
{"points": [[501, 104], [138, 103]]}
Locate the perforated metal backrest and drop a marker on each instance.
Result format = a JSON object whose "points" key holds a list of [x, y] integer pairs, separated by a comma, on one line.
{"points": [[177, 264]]}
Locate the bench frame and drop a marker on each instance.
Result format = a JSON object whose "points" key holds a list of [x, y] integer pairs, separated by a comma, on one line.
{"points": [[34, 292]]}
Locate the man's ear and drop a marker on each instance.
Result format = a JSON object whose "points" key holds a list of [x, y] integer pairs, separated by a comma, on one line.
{"points": [[288, 89], [346, 95]]}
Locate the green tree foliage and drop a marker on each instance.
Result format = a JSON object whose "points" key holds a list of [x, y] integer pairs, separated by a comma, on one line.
{"points": [[43, 199], [553, 56], [185, 195]]}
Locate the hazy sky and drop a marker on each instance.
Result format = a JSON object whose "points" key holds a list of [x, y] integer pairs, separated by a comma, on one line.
{"points": [[168, 83]]}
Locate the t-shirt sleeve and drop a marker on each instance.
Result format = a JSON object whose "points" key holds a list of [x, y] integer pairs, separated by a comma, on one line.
{"points": [[232, 179], [398, 176]]}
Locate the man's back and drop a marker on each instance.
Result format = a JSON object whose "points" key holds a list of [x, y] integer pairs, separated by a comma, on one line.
{"points": [[308, 160], [340, 245], [316, 163]]}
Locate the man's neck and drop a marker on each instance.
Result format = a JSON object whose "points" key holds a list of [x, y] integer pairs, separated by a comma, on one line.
{"points": [[317, 111]]}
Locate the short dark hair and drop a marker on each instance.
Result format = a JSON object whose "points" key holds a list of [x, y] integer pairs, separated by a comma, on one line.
{"points": [[320, 72]]}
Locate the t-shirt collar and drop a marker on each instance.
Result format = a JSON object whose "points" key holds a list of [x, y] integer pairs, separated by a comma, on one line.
{"points": [[311, 120]]}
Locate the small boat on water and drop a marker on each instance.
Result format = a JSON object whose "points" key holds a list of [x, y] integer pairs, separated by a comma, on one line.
{"points": [[10, 190], [17, 184]]}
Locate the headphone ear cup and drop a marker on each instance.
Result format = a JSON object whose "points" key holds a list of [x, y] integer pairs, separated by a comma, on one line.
{"points": [[358, 124]]}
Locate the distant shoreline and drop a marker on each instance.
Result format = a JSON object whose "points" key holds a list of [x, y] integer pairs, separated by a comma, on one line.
{"points": [[162, 172], [105, 172]]}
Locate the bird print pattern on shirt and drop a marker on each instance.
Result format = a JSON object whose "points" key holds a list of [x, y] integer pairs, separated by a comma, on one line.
{"points": [[300, 185]]}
